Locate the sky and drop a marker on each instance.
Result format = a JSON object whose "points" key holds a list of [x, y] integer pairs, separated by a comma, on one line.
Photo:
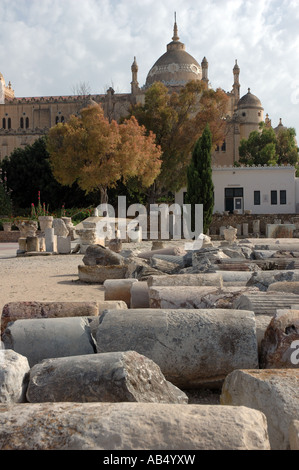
{"points": [[50, 47]]}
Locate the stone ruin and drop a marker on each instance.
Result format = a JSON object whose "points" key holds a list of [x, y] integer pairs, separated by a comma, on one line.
{"points": [[55, 236], [223, 318]]}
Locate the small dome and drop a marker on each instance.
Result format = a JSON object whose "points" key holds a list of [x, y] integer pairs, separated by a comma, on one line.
{"points": [[249, 100], [176, 67], [280, 127]]}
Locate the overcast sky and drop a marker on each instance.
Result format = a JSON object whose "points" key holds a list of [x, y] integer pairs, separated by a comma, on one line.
{"points": [[48, 47]]}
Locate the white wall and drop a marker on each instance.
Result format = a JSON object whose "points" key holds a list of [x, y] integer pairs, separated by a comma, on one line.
{"points": [[263, 179]]}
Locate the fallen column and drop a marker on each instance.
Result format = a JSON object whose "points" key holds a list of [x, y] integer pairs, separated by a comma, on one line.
{"points": [[99, 274], [195, 296], [266, 303], [192, 347], [285, 286], [273, 392], [263, 279], [13, 311], [131, 426], [109, 377], [46, 338], [119, 289], [203, 279], [139, 295], [235, 278]]}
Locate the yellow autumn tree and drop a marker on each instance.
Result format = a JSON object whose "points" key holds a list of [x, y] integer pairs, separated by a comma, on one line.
{"points": [[97, 153]]}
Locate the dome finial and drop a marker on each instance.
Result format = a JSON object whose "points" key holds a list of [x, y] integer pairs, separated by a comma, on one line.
{"points": [[175, 29]]}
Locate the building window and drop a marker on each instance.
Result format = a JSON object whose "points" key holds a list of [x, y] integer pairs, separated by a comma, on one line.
{"points": [[4, 123], [257, 198], [62, 118], [283, 197], [27, 122], [57, 120], [22, 123], [223, 147], [273, 198], [9, 123]]}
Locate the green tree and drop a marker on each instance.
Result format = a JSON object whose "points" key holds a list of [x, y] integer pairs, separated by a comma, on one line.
{"points": [[5, 198], [178, 119], [28, 171], [200, 187], [286, 146], [265, 147]]}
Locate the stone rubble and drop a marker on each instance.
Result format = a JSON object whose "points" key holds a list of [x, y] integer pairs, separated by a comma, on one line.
{"points": [[223, 317]]}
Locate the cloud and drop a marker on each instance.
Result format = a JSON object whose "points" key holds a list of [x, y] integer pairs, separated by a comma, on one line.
{"points": [[49, 46]]}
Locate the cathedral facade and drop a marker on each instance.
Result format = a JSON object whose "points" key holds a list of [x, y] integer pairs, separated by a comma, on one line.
{"points": [[23, 120]]}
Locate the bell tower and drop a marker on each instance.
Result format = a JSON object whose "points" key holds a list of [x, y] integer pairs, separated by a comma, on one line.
{"points": [[134, 83]]}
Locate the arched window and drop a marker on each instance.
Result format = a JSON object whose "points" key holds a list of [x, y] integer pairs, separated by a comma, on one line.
{"points": [[57, 120], [62, 118], [27, 122], [223, 147], [22, 123], [4, 123], [9, 123]]}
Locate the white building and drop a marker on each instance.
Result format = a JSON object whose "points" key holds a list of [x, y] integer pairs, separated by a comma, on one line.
{"points": [[260, 189]]}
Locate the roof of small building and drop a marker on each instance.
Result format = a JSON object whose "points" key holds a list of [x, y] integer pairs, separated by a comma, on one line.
{"points": [[249, 100]]}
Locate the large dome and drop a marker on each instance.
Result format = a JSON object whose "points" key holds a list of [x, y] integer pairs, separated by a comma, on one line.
{"points": [[176, 67]]}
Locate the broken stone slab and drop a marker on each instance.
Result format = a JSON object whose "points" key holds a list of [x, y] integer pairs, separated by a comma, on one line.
{"points": [[280, 345], [14, 374], [99, 274], [100, 255], [129, 426], [201, 279], [284, 286], [119, 289], [111, 377], [265, 303], [168, 251], [44, 338], [32, 244], [60, 229], [263, 254], [197, 297], [115, 244], [139, 295], [64, 246], [192, 347], [294, 435], [163, 265], [176, 261], [211, 254], [13, 311], [273, 392], [234, 252], [263, 279], [140, 269]]}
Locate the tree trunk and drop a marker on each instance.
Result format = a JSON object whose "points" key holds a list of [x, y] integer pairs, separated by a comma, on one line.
{"points": [[104, 195]]}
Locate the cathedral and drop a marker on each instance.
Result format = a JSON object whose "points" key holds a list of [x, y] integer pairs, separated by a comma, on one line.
{"points": [[23, 120]]}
